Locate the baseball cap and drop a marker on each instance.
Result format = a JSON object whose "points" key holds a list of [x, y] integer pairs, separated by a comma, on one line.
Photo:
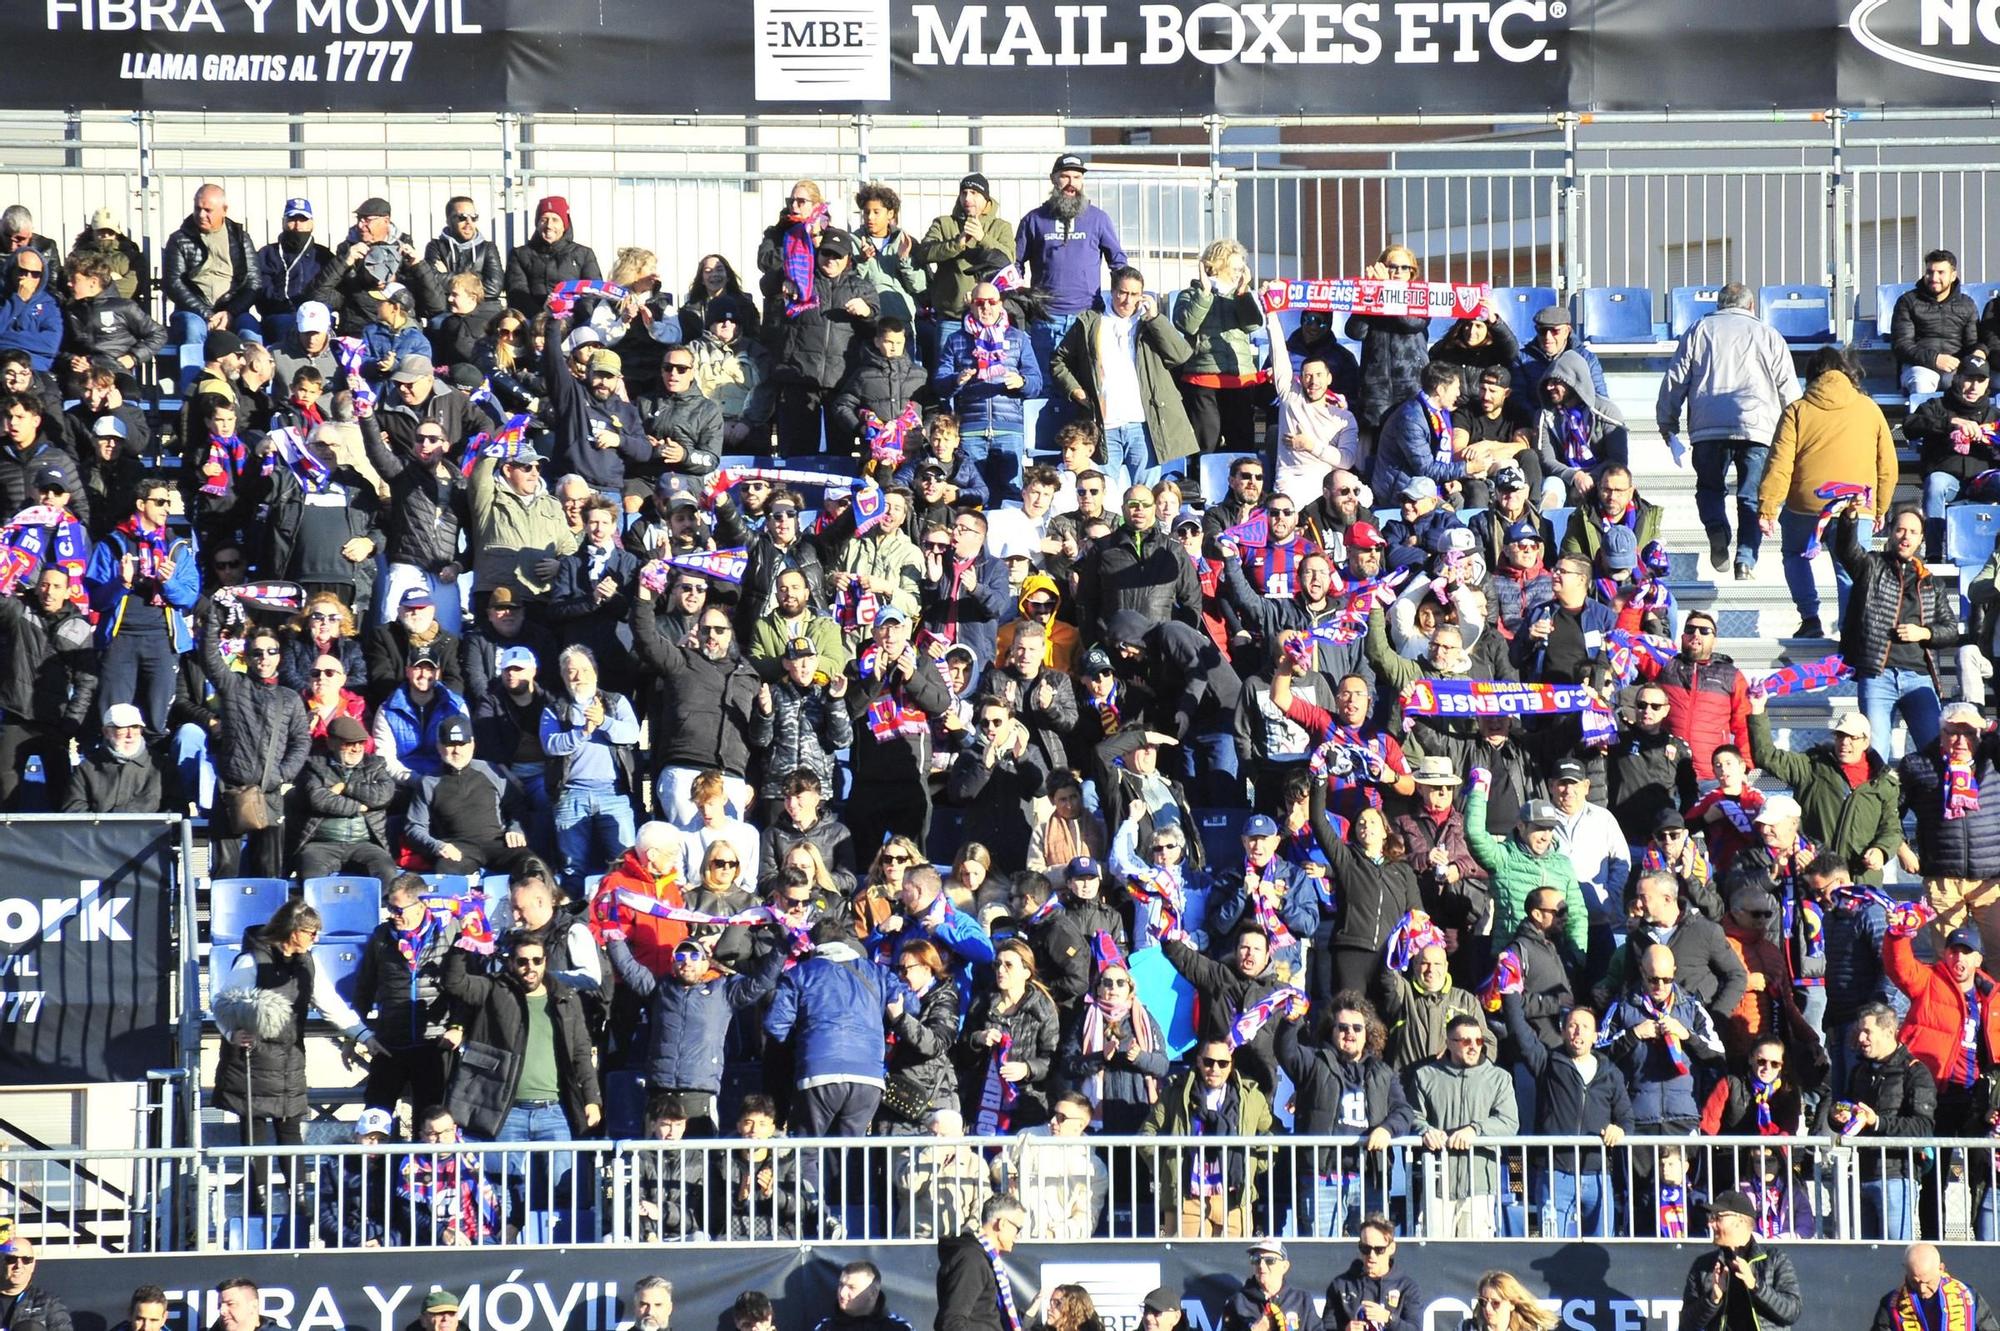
{"points": [[1269, 1248], [314, 317], [1260, 824], [1620, 553], [1067, 162], [1525, 530], [1509, 477], [1420, 487], [303, 207], [1189, 515], [104, 220], [1668, 820], [1161, 1301], [1965, 938], [1962, 714], [1554, 316], [1778, 808], [374, 1119], [1733, 1202], [1975, 367], [837, 242], [1571, 770], [1853, 723], [50, 478], [1452, 541], [607, 362], [798, 649], [455, 730], [346, 730], [440, 1301], [373, 207], [104, 425], [931, 467], [509, 657], [1540, 814], [1083, 867], [581, 337], [423, 656], [890, 614], [416, 598], [1097, 661], [1365, 536], [414, 367], [123, 714]]}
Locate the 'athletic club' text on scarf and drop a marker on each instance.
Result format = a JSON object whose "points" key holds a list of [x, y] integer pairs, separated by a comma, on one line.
{"points": [[1370, 295]]}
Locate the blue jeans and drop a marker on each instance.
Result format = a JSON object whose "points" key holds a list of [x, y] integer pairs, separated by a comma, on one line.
{"points": [[1712, 460], [1128, 448], [191, 761], [997, 455], [541, 822], [535, 1183], [1940, 488], [593, 828], [1889, 1210], [189, 331], [1567, 1198], [1045, 335], [1911, 692], [1794, 531], [1208, 761]]}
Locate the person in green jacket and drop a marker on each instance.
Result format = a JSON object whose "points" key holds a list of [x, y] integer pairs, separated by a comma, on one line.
{"points": [[1223, 383], [1523, 865], [1860, 822], [970, 242]]}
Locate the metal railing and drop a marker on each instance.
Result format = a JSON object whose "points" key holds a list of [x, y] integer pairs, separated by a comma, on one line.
{"points": [[915, 1189]]}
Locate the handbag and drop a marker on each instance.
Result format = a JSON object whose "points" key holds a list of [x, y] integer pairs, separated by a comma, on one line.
{"points": [[905, 1105], [247, 808]]}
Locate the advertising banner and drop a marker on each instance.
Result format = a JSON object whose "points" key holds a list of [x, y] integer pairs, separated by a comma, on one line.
{"points": [[86, 952], [999, 57]]}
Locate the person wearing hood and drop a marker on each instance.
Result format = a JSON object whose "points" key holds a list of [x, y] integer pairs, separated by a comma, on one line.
{"points": [[1576, 428], [1039, 603], [985, 373], [374, 255], [459, 248], [105, 239], [733, 370], [834, 1006], [288, 268], [119, 774], [31, 319], [1949, 431], [1835, 433], [1933, 327], [100, 324], [552, 256], [1555, 336], [208, 269], [1195, 692]]}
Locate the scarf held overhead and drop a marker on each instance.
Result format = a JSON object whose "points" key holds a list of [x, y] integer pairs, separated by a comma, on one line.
{"points": [[1370, 295]]}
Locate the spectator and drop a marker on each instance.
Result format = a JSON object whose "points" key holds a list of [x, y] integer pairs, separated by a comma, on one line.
{"points": [[239, 1306], [49, 683], [1889, 1092], [401, 981], [1905, 617], [1856, 928], [1949, 432], [30, 1306], [1548, 963], [1555, 335], [99, 324], [1928, 1294], [860, 1304], [119, 774], [1060, 246], [704, 713], [669, 1200], [834, 1005], [1416, 433], [1953, 1026], [894, 688], [409, 726], [208, 270], [1371, 1295], [1766, 1100], [943, 1186], [105, 239], [143, 582], [1117, 366], [974, 1292], [1598, 853], [549, 258], [1009, 1044], [1394, 348], [348, 791], [1575, 429], [1205, 1192], [1551, 645], [986, 370], [288, 269], [820, 329], [1848, 794], [1458, 1097], [356, 1193], [518, 527], [1652, 1031], [260, 748], [1576, 1094], [1708, 698], [1768, 1008], [1264, 1301], [1533, 860], [923, 1026], [1834, 433], [1222, 382], [374, 260], [1343, 1088], [970, 242], [445, 1198], [1957, 833], [1743, 1285], [1054, 1173], [465, 816], [459, 248], [590, 734], [1116, 1055], [1709, 969], [1934, 325], [1733, 372], [1475, 347]]}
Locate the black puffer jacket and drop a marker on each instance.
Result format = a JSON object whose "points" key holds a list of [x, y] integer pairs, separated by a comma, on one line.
{"points": [[817, 346], [346, 288], [534, 269], [1501, 347], [1903, 1094], [182, 256], [266, 733], [18, 468], [367, 791], [1394, 351], [880, 385], [110, 325], [766, 562], [690, 420], [408, 1009], [920, 1060], [449, 256], [1181, 667], [1929, 427], [702, 712], [1965, 847], [804, 730], [1922, 328], [1883, 586], [1037, 1041], [273, 1070], [50, 671], [426, 509]]}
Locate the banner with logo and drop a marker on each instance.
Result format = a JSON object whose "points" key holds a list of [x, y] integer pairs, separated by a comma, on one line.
{"points": [[1591, 1286], [1034, 57], [86, 949]]}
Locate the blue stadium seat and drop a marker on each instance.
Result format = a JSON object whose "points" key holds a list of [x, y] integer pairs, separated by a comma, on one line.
{"points": [[1440, 326], [1969, 533], [1215, 477], [340, 962], [494, 885], [1685, 305], [624, 1105], [221, 959], [1221, 832], [1799, 313], [1980, 293], [236, 904], [349, 905], [1617, 314], [450, 884], [1886, 296], [1558, 520], [1519, 305]]}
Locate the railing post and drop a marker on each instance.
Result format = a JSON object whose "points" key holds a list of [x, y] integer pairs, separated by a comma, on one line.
{"points": [[1212, 204], [1569, 271], [142, 194], [510, 181], [862, 124], [1840, 277]]}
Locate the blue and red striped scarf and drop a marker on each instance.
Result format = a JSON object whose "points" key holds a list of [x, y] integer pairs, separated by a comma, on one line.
{"points": [[801, 260]]}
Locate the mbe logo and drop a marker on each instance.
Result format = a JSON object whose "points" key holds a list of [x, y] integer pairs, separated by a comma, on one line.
{"points": [[822, 50]]}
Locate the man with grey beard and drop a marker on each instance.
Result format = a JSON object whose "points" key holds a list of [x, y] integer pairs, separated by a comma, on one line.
{"points": [[119, 774], [1066, 246]]}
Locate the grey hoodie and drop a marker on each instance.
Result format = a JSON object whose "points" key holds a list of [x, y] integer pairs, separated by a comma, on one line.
{"points": [[1607, 426]]}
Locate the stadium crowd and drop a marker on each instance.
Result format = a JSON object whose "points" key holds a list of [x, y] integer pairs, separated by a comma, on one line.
{"points": [[449, 564]]}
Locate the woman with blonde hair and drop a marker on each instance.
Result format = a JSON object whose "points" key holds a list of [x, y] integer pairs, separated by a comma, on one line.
{"points": [[1504, 1304], [881, 892], [1222, 383], [1011, 1040], [722, 890], [641, 327], [970, 872], [324, 626], [828, 883], [1394, 347]]}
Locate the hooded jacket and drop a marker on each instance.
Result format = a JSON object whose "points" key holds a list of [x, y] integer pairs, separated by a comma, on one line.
{"points": [[1061, 645], [287, 273], [1605, 426], [819, 344], [182, 256], [31, 323], [1339, 1097], [833, 1002], [1447, 1095], [514, 532], [451, 256], [1184, 671], [1934, 1029], [879, 385], [1834, 433]]}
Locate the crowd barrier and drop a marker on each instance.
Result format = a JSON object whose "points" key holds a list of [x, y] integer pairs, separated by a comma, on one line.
{"points": [[904, 1190]]}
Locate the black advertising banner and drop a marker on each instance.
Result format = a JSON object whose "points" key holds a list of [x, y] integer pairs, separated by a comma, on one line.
{"points": [[999, 57], [86, 952], [1594, 1287]]}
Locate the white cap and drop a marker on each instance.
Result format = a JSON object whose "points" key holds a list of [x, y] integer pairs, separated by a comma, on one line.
{"points": [[375, 1120], [123, 714], [580, 337], [1779, 807], [314, 317]]}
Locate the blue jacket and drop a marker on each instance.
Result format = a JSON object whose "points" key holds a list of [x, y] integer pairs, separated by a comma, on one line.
{"points": [[1407, 448], [964, 474], [287, 278], [34, 325], [416, 738], [1528, 654], [1063, 258], [691, 1021], [973, 618], [1855, 932], [1299, 910], [957, 935], [407, 341], [1660, 1092], [113, 600], [833, 1002], [981, 404]]}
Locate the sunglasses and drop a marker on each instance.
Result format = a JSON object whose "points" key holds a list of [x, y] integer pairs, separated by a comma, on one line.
{"points": [[265, 651], [896, 857], [1111, 983], [782, 511], [690, 588], [465, 217], [1401, 267], [726, 864], [1646, 706], [1347, 490], [1214, 1062], [1373, 1249], [1697, 631], [939, 546], [329, 674], [1282, 512], [1767, 1062], [799, 199], [715, 630], [1351, 1027], [1248, 476], [1659, 981], [678, 367]]}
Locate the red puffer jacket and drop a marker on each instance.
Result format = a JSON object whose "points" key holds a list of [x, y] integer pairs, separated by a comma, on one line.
{"points": [[1708, 705], [1936, 1024]]}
